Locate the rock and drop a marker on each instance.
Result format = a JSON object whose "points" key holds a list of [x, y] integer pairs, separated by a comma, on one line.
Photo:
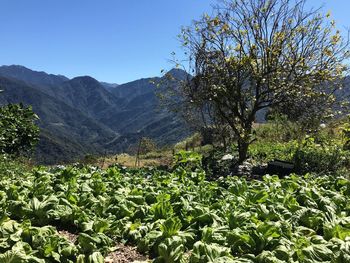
{"points": [[227, 157], [244, 169], [279, 167], [259, 170]]}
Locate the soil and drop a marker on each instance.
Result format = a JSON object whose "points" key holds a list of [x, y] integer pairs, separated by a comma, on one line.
{"points": [[71, 237], [124, 254]]}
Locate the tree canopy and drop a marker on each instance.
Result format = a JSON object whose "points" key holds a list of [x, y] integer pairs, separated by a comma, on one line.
{"points": [[253, 55]]}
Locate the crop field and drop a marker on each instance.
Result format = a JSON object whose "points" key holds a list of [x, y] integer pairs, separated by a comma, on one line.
{"points": [[174, 216]]}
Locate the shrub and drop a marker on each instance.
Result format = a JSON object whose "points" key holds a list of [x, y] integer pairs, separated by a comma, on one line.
{"points": [[327, 157], [309, 155], [90, 159], [18, 131], [278, 129]]}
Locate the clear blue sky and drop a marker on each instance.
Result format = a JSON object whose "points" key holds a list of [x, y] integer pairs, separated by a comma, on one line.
{"points": [[111, 40]]}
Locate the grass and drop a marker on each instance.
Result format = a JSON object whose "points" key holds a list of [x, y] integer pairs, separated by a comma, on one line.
{"points": [[124, 159]]}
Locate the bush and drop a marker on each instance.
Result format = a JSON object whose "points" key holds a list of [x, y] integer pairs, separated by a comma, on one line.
{"points": [[345, 132], [143, 146], [328, 157], [308, 155], [90, 159], [18, 131], [188, 165], [190, 143]]}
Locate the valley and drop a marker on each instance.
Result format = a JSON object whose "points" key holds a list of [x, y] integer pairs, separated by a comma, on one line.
{"points": [[81, 116]]}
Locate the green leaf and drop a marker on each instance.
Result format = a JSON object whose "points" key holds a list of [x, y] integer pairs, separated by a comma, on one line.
{"points": [[170, 226], [96, 257]]}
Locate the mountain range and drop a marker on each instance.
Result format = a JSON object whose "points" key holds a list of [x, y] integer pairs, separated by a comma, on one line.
{"points": [[83, 116]]}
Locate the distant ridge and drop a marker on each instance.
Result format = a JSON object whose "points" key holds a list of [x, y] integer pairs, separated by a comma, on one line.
{"points": [[82, 116], [109, 86], [29, 76]]}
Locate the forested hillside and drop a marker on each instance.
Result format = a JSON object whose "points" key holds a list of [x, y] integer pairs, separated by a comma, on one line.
{"points": [[82, 115]]}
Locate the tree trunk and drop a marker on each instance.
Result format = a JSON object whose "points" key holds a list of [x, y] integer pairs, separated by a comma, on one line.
{"points": [[243, 143], [243, 146], [224, 143]]}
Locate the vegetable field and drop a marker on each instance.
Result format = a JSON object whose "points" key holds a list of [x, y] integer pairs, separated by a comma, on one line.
{"points": [[173, 216]]}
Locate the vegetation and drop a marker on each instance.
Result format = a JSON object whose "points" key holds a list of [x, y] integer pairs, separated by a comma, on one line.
{"points": [[18, 131], [256, 55], [175, 216]]}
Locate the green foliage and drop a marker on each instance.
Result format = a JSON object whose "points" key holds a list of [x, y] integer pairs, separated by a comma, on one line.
{"points": [[345, 129], [278, 129], [190, 143], [21, 242], [147, 145], [323, 157], [189, 165], [309, 155], [18, 131], [13, 167], [264, 151], [188, 160], [173, 216]]}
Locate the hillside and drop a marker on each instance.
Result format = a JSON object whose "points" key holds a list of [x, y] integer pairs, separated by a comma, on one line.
{"points": [[82, 115], [72, 131], [87, 95]]}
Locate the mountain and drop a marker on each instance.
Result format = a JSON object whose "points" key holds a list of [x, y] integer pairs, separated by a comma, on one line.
{"points": [[135, 88], [142, 113], [87, 95], [58, 121], [36, 78], [109, 86], [82, 116]]}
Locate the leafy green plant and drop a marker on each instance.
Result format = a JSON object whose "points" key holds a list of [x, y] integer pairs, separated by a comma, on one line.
{"points": [[173, 218], [189, 165], [187, 159]]}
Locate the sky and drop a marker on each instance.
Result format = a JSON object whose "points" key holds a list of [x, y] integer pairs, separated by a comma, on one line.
{"points": [[115, 41]]}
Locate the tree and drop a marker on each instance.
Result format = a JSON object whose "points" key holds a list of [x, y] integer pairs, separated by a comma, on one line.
{"points": [[197, 114], [253, 55], [18, 131]]}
